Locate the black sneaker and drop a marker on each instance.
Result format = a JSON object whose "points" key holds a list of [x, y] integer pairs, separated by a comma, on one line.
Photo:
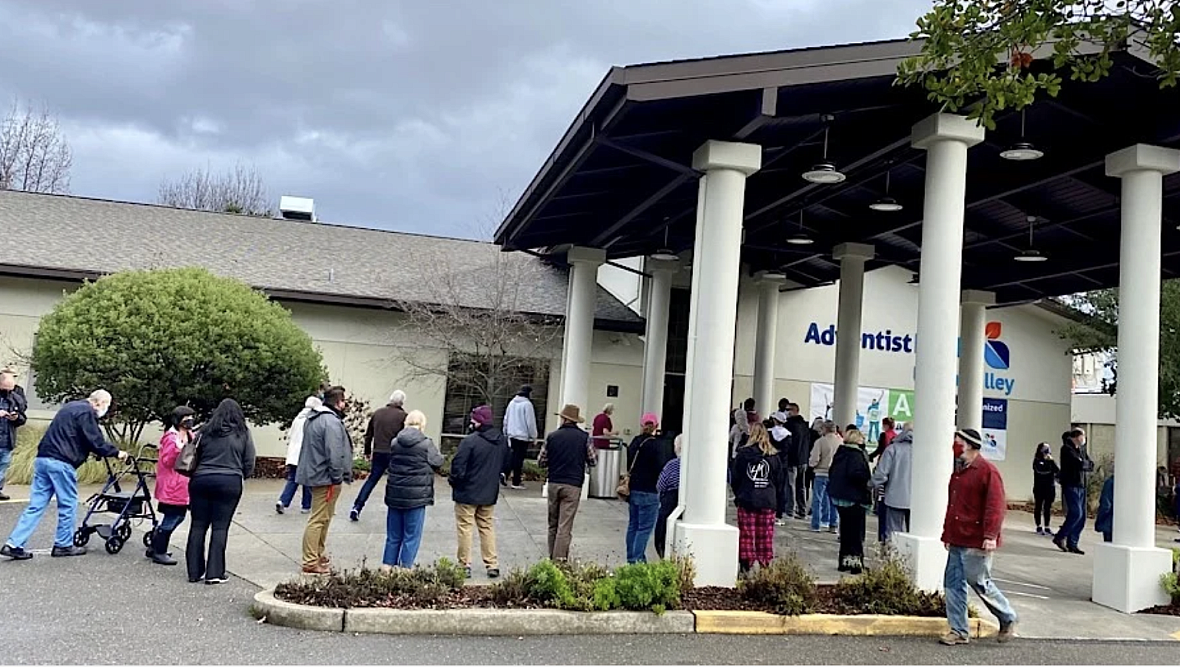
{"points": [[15, 553], [215, 581], [493, 573], [163, 559], [354, 514], [66, 552], [1060, 542], [279, 509], [1075, 550], [468, 571], [504, 483], [4, 496]]}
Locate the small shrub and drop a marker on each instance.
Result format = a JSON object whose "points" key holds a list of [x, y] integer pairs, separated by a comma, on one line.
{"points": [[549, 586], [887, 589], [643, 586], [688, 572], [421, 586], [512, 590], [786, 586]]}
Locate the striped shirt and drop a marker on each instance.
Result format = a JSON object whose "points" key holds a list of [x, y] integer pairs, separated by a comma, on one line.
{"points": [[669, 477]]}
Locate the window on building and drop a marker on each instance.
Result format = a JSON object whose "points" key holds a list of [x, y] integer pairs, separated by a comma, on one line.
{"points": [[461, 397], [28, 381]]}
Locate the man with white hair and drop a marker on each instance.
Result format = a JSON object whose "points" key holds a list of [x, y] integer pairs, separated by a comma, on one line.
{"points": [[383, 427], [73, 435], [12, 417]]}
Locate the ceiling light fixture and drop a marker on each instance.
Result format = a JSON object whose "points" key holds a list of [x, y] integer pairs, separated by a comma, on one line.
{"points": [[666, 254], [886, 204], [1031, 255], [824, 172], [1022, 151], [774, 274], [800, 237]]}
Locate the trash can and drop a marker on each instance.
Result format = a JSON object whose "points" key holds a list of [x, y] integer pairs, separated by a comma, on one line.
{"points": [[604, 477]]}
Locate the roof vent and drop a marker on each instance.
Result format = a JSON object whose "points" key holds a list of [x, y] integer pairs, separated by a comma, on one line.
{"points": [[297, 208]]}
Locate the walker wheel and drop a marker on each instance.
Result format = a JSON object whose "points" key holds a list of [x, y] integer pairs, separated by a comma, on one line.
{"points": [[114, 544], [124, 531], [81, 537], [148, 537]]}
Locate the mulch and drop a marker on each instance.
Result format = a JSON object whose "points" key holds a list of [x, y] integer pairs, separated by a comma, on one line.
{"points": [[1163, 610]]}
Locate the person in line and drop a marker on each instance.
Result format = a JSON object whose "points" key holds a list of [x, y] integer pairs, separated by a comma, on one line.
{"points": [[566, 454], [823, 512], [294, 447], [883, 442], [974, 519], [817, 427], [475, 488], [749, 405], [798, 454], [668, 486], [171, 487], [1104, 520], [325, 463], [383, 427], [891, 478], [1045, 474], [888, 433], [1074, 466], [753, 473], [780, 439], [225, 458], [739, 431], [520, 425], [784, 404], [849, 481], [603, 429], [409, 490], [13, 406], [72, 436], [645, 461]]}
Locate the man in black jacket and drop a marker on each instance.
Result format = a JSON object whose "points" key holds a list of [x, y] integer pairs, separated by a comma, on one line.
{"points": [[566, 453], [383, 427], [72, 436], [1075, 463], [798, 454], [12, 416], [475, 487]]}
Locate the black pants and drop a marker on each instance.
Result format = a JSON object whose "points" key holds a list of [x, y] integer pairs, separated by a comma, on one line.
{"points": [[1043, 504], [519, 449], [802, 498], [785, 491], [852, 538], [668, 502], [213, 500], [173, 516], [380, 465]]}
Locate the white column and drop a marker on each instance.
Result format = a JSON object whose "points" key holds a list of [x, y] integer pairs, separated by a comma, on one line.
{"points": [[703, 533], [972, 327], [1127, 571], [579, 325], [945, 138], [655, 337], [852, 258], [767, 340]]}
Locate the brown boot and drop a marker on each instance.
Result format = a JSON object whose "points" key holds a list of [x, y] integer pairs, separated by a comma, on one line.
{"points": [[318, 569]]}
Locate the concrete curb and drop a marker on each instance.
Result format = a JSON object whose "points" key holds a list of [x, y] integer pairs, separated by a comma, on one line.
{"points": [[865, 625], [520, 622]]}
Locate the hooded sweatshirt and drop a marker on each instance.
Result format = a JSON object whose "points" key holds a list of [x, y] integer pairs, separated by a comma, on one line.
{"points": [[520, 419], [893, 471]]}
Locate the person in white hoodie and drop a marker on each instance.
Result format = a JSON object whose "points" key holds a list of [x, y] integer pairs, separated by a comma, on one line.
{"points": [[294, 446], [520, 425]]}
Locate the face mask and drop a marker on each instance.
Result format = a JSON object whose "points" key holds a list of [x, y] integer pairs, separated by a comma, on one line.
{"points": [[959, 449], [187, 423], [102, 411]]}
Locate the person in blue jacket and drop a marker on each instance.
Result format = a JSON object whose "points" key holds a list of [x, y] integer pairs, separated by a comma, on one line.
{"points": [[1104, 521], [72, 436]]}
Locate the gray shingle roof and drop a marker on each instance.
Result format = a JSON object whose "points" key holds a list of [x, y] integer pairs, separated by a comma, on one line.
{"points": [[312, 261]]}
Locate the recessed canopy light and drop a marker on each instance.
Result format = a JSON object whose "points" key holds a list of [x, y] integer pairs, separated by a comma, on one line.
{"points": [[800, 239], [886, 204], [665, 255], [1022, 151], [1031, 255], [824, 173]]}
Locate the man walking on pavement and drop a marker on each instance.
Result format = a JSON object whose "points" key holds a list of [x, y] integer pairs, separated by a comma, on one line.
{"points": [[12, 416], [566, 453], [474, 478], [325, 463], [520, 425], [383, 427], [971, 534], [1074, 466], [73, 435]]}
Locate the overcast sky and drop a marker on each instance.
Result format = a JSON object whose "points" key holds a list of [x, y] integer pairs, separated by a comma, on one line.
{"points": [[422, 115]]}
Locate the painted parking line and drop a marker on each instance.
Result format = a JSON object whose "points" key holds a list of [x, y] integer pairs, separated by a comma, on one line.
{"points": [[1028, 595], [1022, 583]]}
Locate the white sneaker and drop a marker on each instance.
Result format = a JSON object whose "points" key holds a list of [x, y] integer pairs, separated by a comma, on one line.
{"points": [[779, 522], [519, 487]]}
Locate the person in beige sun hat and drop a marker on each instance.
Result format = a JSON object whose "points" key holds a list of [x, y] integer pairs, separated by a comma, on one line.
{"points": [[566, 454]]}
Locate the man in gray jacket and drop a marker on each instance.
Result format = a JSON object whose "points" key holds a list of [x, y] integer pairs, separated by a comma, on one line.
{"points": [[325, 462], [893, 475]]}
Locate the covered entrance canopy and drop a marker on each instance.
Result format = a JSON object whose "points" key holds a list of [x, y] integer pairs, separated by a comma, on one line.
{"points": [[622, 172]]}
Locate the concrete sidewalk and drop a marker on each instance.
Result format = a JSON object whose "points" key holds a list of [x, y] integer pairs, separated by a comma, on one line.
{"points": [[1049, 589]]}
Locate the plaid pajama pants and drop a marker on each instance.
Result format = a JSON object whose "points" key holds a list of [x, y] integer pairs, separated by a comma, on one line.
{"points": [[755, 535]]}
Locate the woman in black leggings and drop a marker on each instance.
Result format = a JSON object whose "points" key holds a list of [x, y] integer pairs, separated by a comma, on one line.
{"points": [[1045, 474], [225, 457]]}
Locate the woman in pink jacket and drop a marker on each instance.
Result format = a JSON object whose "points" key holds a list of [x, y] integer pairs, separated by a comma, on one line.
{"points": [[171, 486]]}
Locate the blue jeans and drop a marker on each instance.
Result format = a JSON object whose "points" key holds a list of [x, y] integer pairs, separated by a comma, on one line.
{"points": [[5, 461], [972, 567], [403, 536], [1075, 515], [643, 508], [50, 478], [379, 467], [288, 493], [173, 517], [823, 510]]}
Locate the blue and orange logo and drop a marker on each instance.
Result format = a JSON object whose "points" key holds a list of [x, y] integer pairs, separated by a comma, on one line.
{"points": [[995, 352]]}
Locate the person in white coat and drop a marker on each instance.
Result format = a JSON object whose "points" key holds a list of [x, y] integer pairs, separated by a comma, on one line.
{"points": [[520, 425], [294, 446]]}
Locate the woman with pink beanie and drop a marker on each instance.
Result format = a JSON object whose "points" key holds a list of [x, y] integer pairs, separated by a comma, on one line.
{"points": [[646, 457]]}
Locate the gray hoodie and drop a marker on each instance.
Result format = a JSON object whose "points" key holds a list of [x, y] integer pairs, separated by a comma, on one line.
{"points": [[325, 458], [520, 420], [893, 471]]}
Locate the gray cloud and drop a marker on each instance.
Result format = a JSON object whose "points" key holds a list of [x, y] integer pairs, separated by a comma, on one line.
{"points": [[417, 115]]}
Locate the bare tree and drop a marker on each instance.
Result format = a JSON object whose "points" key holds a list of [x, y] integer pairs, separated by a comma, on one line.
{"points": [[34, 154], [238, 190]]}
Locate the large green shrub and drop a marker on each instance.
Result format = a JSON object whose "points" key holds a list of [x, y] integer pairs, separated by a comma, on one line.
{"points": [[785, 585], [590, 587], [162, 338]]}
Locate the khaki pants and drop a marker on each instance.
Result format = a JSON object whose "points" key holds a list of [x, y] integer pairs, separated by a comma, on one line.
{"points": [[481, 517], [563, 506], [323, 507]]}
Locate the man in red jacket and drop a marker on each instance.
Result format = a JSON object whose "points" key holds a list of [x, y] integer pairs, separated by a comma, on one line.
{"points": [[971, 533]]}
